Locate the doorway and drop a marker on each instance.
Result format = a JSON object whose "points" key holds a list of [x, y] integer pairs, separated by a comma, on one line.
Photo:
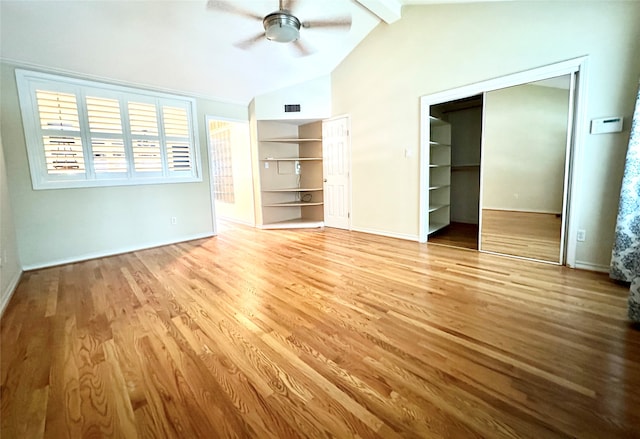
{"points": [[463, 118], [231, 178], [494, 165]]}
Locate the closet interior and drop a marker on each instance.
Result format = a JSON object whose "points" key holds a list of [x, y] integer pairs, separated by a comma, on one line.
{"points": [[454, 186]]}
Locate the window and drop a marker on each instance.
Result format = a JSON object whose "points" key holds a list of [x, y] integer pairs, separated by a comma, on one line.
{"points": [[220, 136], [82, 133]]}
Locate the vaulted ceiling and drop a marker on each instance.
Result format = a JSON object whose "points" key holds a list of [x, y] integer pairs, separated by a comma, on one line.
{"points": [[182, 44]]}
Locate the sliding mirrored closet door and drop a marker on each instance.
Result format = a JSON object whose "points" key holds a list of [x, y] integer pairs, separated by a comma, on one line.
{"points": [[525, 153]]}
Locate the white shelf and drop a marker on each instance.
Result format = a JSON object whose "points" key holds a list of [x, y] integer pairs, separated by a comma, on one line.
{"points": [[294, 189], [435, 207], [440, 186], [290, 140], [464, 167], [295, 204], [439, 166], [294, 224], [434, 121], [434, 227], [432, 143], [290, 159], [282, 188]]}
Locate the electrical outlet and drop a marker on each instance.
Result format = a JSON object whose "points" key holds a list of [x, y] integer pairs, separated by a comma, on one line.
{"points": [[174, 220], [582, 235]]}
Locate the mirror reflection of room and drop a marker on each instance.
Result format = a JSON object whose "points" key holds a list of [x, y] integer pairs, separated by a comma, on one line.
{"points": [[525, 141]]}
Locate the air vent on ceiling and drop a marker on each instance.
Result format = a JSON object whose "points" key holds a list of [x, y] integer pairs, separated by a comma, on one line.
{"points": [[292, 108]]}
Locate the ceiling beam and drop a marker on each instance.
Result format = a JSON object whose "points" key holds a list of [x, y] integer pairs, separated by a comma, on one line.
{"points": [[388, 10]]}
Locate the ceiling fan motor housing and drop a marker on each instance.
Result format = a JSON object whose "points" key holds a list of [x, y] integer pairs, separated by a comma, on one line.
{"points": [[281, 27]]}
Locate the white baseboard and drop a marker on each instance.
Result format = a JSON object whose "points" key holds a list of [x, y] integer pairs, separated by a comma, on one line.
{"points": [[237, 221], [114, 252], [387, 233], [581, 265], [522, 210], [8, 293]]}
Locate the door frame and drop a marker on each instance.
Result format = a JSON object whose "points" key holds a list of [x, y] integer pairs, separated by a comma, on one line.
{"points": [[208, 118], [349, 167], [576, 66]]}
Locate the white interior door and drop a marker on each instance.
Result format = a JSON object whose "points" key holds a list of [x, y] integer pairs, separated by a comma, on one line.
{"points": [[336, 155]]}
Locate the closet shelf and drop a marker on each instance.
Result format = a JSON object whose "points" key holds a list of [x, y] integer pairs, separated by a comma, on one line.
{"points": [[434, 121], [435, 207], [440, 186], [469, 166], [298, 223], [434, 165], [291, 140], [434, 227], [294, 204], [294, 189], [290, 159]]}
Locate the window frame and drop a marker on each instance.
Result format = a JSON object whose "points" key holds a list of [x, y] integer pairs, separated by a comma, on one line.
{"points": [[30, 81]]}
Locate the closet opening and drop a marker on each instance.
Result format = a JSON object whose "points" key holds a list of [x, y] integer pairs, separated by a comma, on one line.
{"points": [[498, 161], [461, 119]]}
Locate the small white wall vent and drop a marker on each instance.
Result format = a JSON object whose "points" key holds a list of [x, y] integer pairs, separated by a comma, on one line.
{"points": [[292, 108]]}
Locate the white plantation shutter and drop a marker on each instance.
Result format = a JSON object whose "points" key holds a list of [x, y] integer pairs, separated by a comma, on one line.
{"points": [[176, 132], [60, 131], [107, 142], [143, 120], [81, 133]]}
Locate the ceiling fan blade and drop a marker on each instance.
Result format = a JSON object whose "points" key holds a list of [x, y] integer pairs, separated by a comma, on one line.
{"points": [[225, 6], [303, 49], [246, 44], [290, 5], [340, 22]]}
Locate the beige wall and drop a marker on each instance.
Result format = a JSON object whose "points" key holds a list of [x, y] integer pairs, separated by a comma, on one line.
{"points": [[523, 157], [56, 226], [10, 268], [439, 47]]}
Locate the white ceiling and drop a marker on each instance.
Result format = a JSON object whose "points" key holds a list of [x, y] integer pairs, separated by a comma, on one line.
{"points": [[176, 45], [181, 45]]}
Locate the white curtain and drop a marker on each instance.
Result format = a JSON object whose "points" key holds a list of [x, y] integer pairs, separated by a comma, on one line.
{"points": [[625, 259]]}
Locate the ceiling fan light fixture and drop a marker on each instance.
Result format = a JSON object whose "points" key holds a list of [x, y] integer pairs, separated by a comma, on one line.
{"points": [[281, 27]]}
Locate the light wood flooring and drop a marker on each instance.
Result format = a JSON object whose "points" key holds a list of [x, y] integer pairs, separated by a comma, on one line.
{"points": [[319, 334], [527, 234], [460, 235]]}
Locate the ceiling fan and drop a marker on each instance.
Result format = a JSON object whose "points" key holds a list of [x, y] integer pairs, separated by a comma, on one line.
{"points": [[280, 26]]}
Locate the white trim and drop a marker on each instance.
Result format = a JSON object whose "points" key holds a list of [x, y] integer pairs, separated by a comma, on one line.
{"points": [[28, 82], [212, 197], [389, 11], [576, 65], [7, 294], [506, 209], [78, 75], [237, 221], [104, 254], [386, 233], [581, 265], [580, 130]]}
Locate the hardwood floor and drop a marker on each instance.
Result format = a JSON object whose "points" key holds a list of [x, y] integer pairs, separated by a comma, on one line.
{"points": [[460, 235], [527, 234], [312, 333]]}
